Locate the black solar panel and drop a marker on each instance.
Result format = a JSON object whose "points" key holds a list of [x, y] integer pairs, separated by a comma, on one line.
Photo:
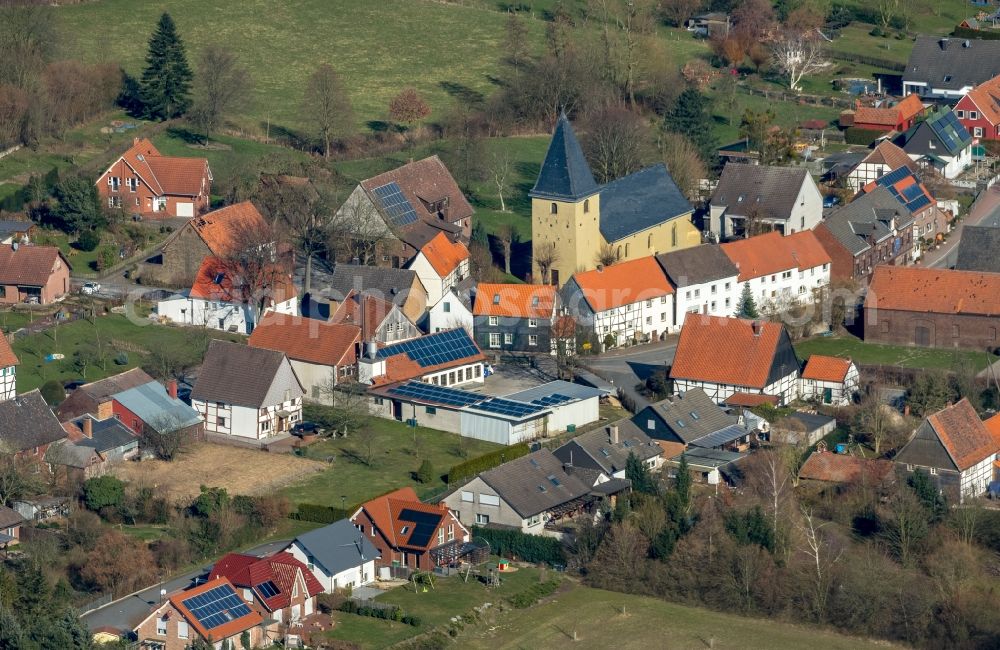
{"points": [[552, 400], [395, 204], [424, 525], [268, 589], [434, 349], [217, 606], [439, 394], [509, 407]]}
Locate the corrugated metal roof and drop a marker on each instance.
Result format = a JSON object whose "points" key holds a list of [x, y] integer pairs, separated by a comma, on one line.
{"points": [[157, 409]]}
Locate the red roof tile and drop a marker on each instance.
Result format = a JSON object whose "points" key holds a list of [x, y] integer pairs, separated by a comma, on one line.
{"points": [[993, 426], [933, 290], [750, 400], [248, 571], [986, 97], [7, 356], [28, 265], [307, 339], [223, 631], [225, 290], [385, 511], [773, 253], [821, 368], [623, 283], [221, 229], [724, 350], [166, 174], [444, 255], [842, 468], [889, 154], [963, 434], [375, 311], [515, 300]]}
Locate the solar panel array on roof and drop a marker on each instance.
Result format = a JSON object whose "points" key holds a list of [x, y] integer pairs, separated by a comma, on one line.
{"points": [[912, 196], [552, 400], [434, 349], [439, 394], [395, 204], [952, 133], [268, 589], [509, 407], [217, 607], [424, 525]]}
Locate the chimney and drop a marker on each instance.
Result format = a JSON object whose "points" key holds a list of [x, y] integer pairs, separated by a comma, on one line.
{"points": [[172, 388], [944, 43], [757, 327], [88, 427], [613, 434], [14, 245]]}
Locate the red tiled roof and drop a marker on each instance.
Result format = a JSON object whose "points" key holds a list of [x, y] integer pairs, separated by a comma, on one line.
{"points": [[993, 426], [166, 174], [750, 400], [890, 116], [887, 153], [933, 290], [422, 182], [724, 350], [307, 339], [821, 368], [963, 434], [7, 356], [986, 97], [223, 631], [623, 283], [248, 571], [385, 511], [515, 300], [221, 228], [909, 107], [902, 184], [444, 255], [375, 311], [29, 265], [842, 468], [773, 253], [205, 286]]}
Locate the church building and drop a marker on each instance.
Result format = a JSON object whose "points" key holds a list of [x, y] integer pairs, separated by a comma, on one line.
{"points": [[573, 218]]}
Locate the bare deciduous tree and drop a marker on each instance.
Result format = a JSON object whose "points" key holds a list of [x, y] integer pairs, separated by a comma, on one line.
{"points": [[873, 419], [798, 55], [606, 255], [304, 213], [506, 236], [676, 12], [821, 556], [252, 273], [17, 477], [683, 162], [357, 230], [326, 105], [769, 477], [614, 141], [221, 84], [887, 10], [904, 524], [546, 256], [500, 170]]}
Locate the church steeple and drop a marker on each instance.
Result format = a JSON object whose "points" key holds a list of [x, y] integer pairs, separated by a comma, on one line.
{"points": [[565, 174]]}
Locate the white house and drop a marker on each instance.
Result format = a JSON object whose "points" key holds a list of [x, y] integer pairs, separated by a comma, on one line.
{"points": [[752, 198], [831, 380], [704, 280], [448, 358], [8, 370], [452, 311], [940, 142], [780, 270], [441, 264], [218, 301], [339, 555], [883, 159], [247, 392], [629, 301]]}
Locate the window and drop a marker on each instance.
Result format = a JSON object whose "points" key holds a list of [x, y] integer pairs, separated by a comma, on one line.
{"points": [[553, 209], [727, 302], [973, 115], [959, 114], [467, 497], [489, 500], [508, 339], [494, 320], [161, 626], [479, 370], [713, 290], [114, 201], [977, 131], [535, 520], [651, 425], [482, 519], [532, 339], [727, 285], [586, 206], [649, 320], [786, 275], [451, 378], [451, 532], [802, 289], [626, 250], [440, 536], [114, 183], [468, 374], [673, 235], [532, 322], [687, 295], [663, 315], [133, 184], [266, 425], [697, 293], [712, 307], [933, 471], [909, 468], [182, 629], [663, 300], [221, 421], [802, 223], [494, 340], [447, 307], [430, 410]]}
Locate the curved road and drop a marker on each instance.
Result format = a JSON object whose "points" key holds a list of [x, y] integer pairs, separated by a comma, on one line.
{"points": [[987, 203]]}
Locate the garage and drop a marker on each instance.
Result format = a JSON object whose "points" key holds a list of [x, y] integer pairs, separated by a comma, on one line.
{"points": [[185, 209]]}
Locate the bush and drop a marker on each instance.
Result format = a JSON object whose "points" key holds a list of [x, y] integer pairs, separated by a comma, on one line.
{"points": [[88, 240], [103, 492], [384, 612], [106, 257], [319, 514], [865, 137], [488, 461], [426, 472], [530, 548], [533, 594], [53, 392]]}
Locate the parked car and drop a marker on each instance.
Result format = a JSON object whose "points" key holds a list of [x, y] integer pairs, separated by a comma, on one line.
{"points": [[90, 288], [306, 429], [830, 200]]}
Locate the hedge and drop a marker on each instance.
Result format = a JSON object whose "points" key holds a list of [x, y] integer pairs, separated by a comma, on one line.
{"points": [[319, 514], [533, 594], [482, 463], [854, 135], [981, 34], [530, 548], [384, 612]]}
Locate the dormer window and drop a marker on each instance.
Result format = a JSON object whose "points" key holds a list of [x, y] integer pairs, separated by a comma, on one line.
{"points": [[947, 78]]}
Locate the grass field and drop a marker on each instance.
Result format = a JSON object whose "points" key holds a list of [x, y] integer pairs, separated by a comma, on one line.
{"points": [[870, 353], [379, 48], [597, 619], [393, 465]]}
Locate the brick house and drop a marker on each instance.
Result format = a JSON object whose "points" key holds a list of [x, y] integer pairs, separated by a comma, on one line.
{"points": [[931, 307], [380, 320], [515, 317], [979, 111], [955, 448], [144, 182], [213, 611], [96, 398], [929, 222], [873, 229], [402, 287], [36, 274], [409, 533]]}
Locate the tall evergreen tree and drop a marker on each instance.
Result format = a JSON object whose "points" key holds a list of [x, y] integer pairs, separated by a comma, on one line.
{"points": [[690, 116], [166, 81], [747, 306], [638, 473]]}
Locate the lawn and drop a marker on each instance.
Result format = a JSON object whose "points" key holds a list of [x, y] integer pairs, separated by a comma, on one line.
{"points": [[856, 39], [891, 355], [596, 618], [107, 333], [393, 465], [379, 48]]}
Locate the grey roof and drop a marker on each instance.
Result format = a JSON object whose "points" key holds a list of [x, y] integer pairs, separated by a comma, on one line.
{"points": [[697, 265], [9, 517], [337, 547], [926, 450], [677, 413], [770, 190], [711, 458], [611, 456], [917, 139], [613, 486], [559, 387], [157, 408], [26, 421], [932, 59], [10, 227], [866, 216], [106, 435], [808, 420], [527, 484], [69, 454], [386, 283], [109, 386], [720, 437], [234, 373], [979, 249], [640, 201], [565, 174]]}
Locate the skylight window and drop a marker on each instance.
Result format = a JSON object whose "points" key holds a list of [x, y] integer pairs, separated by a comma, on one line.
{"points": [[694, 415], [496, 299], [541, 488], [553, 480], [680, 423]]}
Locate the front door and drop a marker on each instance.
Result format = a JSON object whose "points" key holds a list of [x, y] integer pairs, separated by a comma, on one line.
{"points": [[827, 395], [922, 336]]}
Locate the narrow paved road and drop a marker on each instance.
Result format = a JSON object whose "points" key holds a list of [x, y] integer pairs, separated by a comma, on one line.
{"points": [[126, 613], [987, 203], [629, 366]]}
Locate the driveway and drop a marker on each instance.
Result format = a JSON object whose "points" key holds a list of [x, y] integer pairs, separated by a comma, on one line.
{"points": [[126, 613], [986, 205], [629, 366]]}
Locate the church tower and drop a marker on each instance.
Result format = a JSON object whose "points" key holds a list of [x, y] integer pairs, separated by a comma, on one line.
{"points": [[565, 209]]}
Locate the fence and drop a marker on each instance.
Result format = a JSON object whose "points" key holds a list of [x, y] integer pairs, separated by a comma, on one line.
{"points": [[874, 61], [809, 100], [94, 604]]}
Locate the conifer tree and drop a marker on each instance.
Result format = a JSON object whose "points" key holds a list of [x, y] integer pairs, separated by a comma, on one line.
{"points": [[166, 81], [747, 307]]}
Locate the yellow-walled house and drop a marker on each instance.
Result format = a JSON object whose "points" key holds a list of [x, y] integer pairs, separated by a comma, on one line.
{"points": [[573, 218]]}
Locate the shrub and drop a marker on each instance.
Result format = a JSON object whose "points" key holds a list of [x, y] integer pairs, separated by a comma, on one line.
{"points": [[88, 240], [482, 463], [319, 514], [103, 492], [426, 472], [854, 135], [384, 612], [53, 392], [106, 257], [530, 548], [533, 594]]}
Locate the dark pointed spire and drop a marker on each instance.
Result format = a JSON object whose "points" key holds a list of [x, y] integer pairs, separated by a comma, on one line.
{"points": [[565, 174]]}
